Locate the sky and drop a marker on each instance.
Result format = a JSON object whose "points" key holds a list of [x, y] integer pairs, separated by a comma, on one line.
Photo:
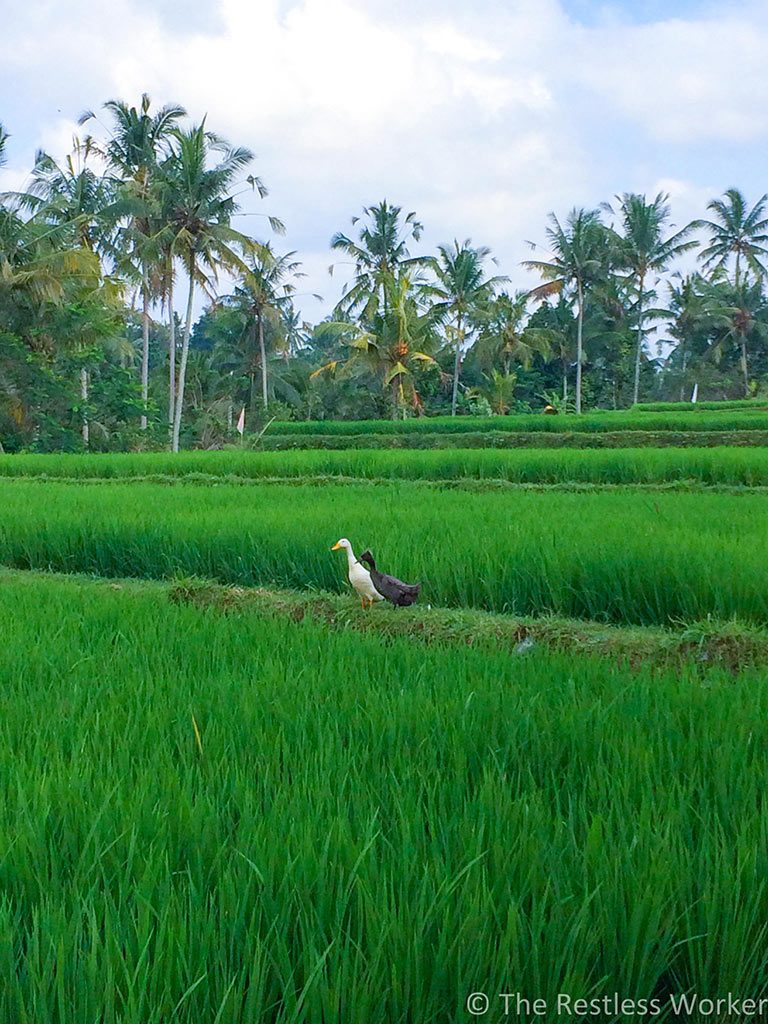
{"points": [[482, 118]]}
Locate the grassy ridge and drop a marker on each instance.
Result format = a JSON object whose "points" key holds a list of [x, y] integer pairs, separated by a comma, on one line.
{"points": [[591, 422], [346, 808], [730, 645], [727, 466], [611, 556]]}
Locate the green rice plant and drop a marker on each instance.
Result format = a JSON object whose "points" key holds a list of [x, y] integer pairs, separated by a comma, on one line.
{"points": [[743, 404], [231, 819], [708, 466], [599, 421], [613, 556], [635, 438]]}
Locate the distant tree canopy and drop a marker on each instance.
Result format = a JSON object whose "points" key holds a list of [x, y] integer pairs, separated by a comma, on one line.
{"points": [[98, 348]]}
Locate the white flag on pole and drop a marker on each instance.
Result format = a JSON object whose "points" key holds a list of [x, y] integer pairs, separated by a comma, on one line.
{"points": [[241, 422], [695, 395]]}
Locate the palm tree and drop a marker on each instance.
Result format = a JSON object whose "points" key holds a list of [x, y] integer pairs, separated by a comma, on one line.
{"points": [[736, 231], [79, 203], [498, 391], [381, 250], [553, 331], [34, 267], [578, 256], [69, 206], [691, 324], [738, 314], [262, 294], [166, 279], [397, 343], [139, 140], [201, 206], [295, 330], [73, 196], [642, 250], [505, 337], [462, 291], [3, 143]]}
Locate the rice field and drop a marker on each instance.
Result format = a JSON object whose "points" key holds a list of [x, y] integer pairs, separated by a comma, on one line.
{"points": [[616, 556], [720, 406], [732, 467], [593, 422], [230, 819], [728, 405], [223, 805], [495, 439]]}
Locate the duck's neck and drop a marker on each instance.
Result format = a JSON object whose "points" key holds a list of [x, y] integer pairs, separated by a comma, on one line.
{"points": [[351, 560]]}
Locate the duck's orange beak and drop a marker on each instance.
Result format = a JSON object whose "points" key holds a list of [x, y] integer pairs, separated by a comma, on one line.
{"points": [[335, 547]]}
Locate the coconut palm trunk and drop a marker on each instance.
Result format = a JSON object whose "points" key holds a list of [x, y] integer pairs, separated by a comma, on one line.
{"points": [[253, 333], [579, 344], [144, 345], [395, 387], [456, 367], [171, 360], [263, 355], [742, 337], [179, 405], [84, 399], [639, 352], [744, 365]]}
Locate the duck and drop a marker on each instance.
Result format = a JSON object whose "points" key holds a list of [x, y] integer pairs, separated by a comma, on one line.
{"points": [[359, 576], [389, 587]]}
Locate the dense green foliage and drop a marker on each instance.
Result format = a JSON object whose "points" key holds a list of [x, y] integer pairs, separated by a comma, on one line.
{"points": [[372, 840], [615, 556], [144, 209], [731, 466]]}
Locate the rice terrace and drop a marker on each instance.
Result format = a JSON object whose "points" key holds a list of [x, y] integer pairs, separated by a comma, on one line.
{"points": [[386, 645]]}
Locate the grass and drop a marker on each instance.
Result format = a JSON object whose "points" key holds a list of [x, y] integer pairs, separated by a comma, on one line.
{"points": [[232, 818], [708, 466], [622, 557]]}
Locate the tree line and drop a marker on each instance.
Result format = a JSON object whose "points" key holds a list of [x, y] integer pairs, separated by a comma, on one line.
{"points": [[99, 350]]}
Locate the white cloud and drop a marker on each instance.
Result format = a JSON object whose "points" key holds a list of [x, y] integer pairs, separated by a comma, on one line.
{"points": [[688, 199], [448, 41], [686, 80], [13, 179], [481, 119]]}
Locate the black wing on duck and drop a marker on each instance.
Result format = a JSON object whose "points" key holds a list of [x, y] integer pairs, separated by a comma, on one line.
{"points": [[394, 590]]}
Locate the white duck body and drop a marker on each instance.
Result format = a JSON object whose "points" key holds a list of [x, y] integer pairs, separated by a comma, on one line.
{"points": [[358, 575]]}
